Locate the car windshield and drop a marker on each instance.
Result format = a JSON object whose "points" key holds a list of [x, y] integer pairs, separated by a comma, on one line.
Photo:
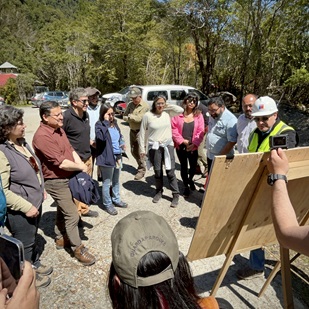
{"points": [[124, 90]]}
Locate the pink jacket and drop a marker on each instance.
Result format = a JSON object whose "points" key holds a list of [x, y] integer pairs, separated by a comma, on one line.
{"points": [[198, 131]]}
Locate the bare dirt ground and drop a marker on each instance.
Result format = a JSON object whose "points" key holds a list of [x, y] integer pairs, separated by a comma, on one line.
{"points": [[76, 286]]}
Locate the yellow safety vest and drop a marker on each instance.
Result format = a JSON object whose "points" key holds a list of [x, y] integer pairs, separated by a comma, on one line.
{"points": [[264, 147]]}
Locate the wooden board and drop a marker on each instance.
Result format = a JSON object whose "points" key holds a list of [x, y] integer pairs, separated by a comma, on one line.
{"points": [[237, 203]]}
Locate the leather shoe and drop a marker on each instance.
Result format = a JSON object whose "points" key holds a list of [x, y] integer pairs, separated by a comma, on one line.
{"points": [[82, 254], [62, 242], [121, 204], [91, 214]]}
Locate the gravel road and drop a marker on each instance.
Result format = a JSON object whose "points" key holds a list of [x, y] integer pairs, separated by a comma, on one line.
{"points": [[76, 286]]}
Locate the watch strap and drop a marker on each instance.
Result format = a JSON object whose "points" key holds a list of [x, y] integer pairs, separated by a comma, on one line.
{"points": [[272, 178]]}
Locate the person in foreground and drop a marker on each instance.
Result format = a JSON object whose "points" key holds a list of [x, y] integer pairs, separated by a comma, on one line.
{"points": [[23, 186], [148, 270], [25, 295], [160, 146], [59, 163], [110, 143], [290, 235]]}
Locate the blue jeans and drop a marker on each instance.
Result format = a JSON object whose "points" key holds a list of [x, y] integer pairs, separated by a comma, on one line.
{"points": [[110, 177], [257, 259]]}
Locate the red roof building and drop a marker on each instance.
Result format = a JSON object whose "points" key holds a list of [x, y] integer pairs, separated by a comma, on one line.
{"points": [[5, 76]]}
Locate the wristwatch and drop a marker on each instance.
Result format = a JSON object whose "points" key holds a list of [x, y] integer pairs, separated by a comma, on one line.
{"points": [[273, 177]]}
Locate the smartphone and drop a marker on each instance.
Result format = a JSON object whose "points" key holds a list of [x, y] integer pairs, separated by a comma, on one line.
{"points": [[12, 254]]}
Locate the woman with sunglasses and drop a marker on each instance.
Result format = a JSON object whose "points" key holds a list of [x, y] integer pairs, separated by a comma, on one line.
{"points": [[159, 145], [23, 186], [110, 145], [188, 133]]}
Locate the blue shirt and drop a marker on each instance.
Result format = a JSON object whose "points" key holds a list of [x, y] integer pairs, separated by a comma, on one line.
{"points": [[115, 136], [221, 131]]}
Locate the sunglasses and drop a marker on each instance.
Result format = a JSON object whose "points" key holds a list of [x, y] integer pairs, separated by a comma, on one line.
{"points": [[264, 118], [83, 101], [34, 164]]}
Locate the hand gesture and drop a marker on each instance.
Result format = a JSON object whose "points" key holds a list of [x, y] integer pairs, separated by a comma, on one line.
{"points": [[278, 162]]}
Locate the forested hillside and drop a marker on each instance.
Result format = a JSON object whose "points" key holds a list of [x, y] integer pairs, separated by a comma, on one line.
{"points": [[239, 46]]}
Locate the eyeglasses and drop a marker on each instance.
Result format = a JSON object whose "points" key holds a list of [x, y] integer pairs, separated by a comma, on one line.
{"points": [[160, 103], [34, 164], [263, 119], [212, 111], [84, 102]]}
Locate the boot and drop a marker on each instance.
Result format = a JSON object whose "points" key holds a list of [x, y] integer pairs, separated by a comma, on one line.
{"points": [[175, 200], [157, 197], [63, 242], [83, 256]]}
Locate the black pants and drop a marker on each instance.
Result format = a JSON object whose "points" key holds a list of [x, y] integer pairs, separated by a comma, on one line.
{"points": [[25, 229], [185, 156], [156, 157]]}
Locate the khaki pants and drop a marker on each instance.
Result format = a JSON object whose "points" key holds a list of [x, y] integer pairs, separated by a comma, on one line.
{"points": [[83, 208], [141, 162]]}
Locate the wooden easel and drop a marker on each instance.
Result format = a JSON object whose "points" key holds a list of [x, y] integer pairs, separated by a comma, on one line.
{"points": [[235, 215]]}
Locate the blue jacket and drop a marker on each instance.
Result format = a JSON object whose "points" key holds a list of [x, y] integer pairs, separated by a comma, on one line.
{"points": [[83, 188], [104, 151]]}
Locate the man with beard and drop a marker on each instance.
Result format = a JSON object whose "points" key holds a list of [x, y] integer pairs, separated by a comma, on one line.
{"points": [[245, 123], [222, 132]]}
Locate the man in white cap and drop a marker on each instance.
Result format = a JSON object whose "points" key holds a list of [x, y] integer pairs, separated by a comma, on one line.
{"points": [[265, 113], [133, 115]]}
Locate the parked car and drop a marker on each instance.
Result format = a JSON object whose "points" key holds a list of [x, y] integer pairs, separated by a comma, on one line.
{"points": [[173, 93], [116, 98], [49, 96]]}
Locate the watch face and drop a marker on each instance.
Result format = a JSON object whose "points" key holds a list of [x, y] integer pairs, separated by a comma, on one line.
{"points": [[270, 180]]}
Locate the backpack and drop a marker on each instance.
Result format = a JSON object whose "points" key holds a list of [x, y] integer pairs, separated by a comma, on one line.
{"points": [[2, 205]]}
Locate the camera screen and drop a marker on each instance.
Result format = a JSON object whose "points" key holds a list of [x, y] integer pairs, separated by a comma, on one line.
{"points": [[280, 141]]}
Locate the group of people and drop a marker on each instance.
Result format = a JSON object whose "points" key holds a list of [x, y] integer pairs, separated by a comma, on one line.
{"points": [[65, 144]]}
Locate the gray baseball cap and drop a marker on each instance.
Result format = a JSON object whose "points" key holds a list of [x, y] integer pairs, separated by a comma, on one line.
{"points": [[134, 92], [134, 236]]}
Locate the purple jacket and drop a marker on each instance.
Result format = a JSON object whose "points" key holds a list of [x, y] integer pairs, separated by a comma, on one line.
{"points": [[198, 131]]}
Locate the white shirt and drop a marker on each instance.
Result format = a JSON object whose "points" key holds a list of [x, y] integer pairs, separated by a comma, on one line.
{"points": [[244, 127]]}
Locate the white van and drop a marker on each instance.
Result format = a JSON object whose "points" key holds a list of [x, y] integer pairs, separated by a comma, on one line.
{"points": [[173, 93]]}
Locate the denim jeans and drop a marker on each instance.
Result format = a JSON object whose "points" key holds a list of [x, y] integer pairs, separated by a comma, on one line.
{"points": [[25, 229], [110, 177], [257, 259]]}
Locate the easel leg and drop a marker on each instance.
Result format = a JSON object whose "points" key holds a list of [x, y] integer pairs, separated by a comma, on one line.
{"points": [[286, 278]]}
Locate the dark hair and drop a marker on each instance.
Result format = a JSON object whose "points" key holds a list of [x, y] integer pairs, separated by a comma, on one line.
{"points": [[153, 107], [103, 110], [178, 292], [46, 107], [216, 100], [9, 116], [191, 97]]}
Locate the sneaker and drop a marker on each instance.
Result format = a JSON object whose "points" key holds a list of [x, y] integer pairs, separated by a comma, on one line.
{"points": [[121, 204], [62, 242], [139, 176], [41, 269], [111, 210], [42, 281], [175, 200], [157, 197], [82, 254], [91, 214], [249, 273], [186, 192]]}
